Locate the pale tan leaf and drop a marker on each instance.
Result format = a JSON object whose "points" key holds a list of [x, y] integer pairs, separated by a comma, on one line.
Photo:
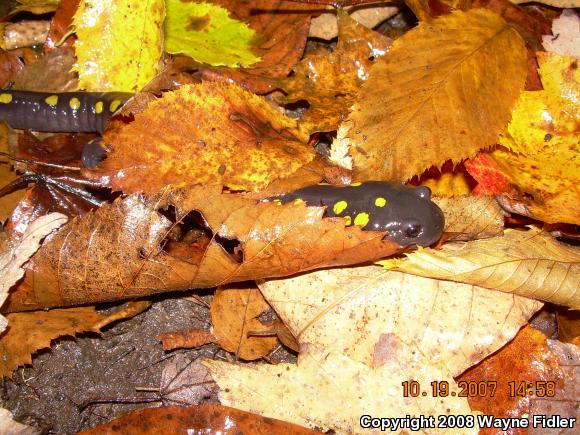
{"points": [[555, 3], [444, 91], [10, 427], [565, 38], [527, 263], [471, 217]]}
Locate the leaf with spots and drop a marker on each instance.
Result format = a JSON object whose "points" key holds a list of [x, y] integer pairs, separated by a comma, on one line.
{"points": [[179, 239], [206, 33], [119, 43], [443, 92], [203, 134], [540, 155], [368, 330], [528, 263]]}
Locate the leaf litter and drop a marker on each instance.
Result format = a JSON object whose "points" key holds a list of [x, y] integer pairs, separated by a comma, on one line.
{"points": [[192, 165]]}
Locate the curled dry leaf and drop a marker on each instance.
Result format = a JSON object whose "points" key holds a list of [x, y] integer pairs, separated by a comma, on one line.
{"points": [[31, 331], [367, 330], [186, 339], [471, 217], [542, 158], [235, 311], [566, 35], [528, 263], [119, 43], [143, 245], [329, 81], [203, 134], [444, 91]]}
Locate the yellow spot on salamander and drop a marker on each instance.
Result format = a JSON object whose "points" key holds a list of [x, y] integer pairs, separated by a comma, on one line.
{"points": [[74, 103], [323, 184], [114, 105], [99, 107], [358, 183], [348, 221], [51, 100], [278, 201], [361, 219], [5, 98], [380, 201], [339, 207], [298, 201]]}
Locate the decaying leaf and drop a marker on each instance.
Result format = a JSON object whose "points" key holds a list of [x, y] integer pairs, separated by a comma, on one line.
{"points": [[471, 217], [118, 43], [542, 156], [203, 134], [235, 311], [13, 259], [187, 238], [444, 91], [368, 330], [11, 427], [566, 35], [329, 81], [186, 339], [527, 364], [206, 33], [206, 418], [32, 331], [528, 263]]}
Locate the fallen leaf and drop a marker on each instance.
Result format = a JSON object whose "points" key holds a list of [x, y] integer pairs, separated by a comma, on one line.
{"points": [[10, 427], [541, 143], [119, 44], [60, 25], [528, 263], [566, 31], [37, 7], [206, 33], [325, 25], [207, 418], [449, 185], [555, 3], [185, 381], [568, 326], [488, 174], [235, 312], [452, 81], [186, 339], [526, 363], [367, 330], [20, 250], [329, 81], [471, 217], [203, 134], [124, 250]]}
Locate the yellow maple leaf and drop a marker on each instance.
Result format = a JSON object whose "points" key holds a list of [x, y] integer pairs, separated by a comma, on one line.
{"points": [[118, 43], [444, 91], [541, 143]]}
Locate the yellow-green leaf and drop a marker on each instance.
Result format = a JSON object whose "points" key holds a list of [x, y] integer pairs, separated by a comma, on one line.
{"points": [[118, 43], [444, 91], [206, 33], [528, 263]]}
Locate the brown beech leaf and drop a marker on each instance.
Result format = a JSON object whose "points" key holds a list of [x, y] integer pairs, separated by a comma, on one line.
{"points": [[208, 133], [529, 363], [471, 217], [31, 331], [207, 418], [125, 250], [444, 91], [329, 81], [235, 311]]}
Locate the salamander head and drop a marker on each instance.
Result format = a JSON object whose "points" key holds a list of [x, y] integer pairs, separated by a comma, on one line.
{"points": [[413, 218]]}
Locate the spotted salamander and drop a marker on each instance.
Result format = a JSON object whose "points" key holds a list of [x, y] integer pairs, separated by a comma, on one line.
{"points": [[78, 112], [407, 213]]}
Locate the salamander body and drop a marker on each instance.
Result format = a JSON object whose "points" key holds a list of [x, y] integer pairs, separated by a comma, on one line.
{"points": [[65, 112], [407, 213]]}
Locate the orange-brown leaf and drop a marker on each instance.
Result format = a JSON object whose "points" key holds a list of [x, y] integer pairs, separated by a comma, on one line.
{"points": [[125, 250], [203, 134], [235, 311], [186, 339], [207, 418]]}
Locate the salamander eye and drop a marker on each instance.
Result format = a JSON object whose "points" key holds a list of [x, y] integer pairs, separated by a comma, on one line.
{"points": [[413, 230]]}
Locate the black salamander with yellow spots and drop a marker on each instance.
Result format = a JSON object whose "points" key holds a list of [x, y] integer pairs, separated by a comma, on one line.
{"points": [[80, 112], [406, 212]]}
